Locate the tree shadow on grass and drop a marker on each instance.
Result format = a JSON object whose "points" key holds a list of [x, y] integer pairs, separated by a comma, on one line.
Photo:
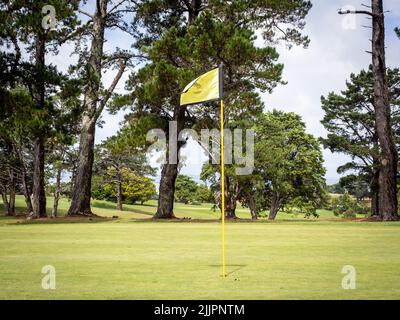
{"points": [[236, 267], [102, 205], [21, 219], [63, 220]]}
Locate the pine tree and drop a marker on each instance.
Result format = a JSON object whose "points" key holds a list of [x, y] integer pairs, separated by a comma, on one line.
{"points": [[39, 26], [388, 156], [350, 121], [183, 39]]}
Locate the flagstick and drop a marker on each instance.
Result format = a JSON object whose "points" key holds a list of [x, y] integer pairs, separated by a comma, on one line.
{"points": [[223, 187]]}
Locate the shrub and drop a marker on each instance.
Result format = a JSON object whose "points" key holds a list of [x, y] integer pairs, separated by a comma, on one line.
{"points": [[347, 207]]}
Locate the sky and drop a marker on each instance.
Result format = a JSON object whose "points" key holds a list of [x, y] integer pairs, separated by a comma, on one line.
{"points": [[337, 49]]}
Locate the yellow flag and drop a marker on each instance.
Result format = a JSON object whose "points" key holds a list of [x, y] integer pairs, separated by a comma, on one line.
{"points": [[206, 88]]}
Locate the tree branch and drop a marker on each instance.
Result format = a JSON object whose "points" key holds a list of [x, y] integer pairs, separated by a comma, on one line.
{"points": [[85, 13], [79, 31], [356, 12], [122, 66]]}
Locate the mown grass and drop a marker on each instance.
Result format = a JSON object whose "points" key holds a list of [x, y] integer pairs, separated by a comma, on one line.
{"points": [[122, 258]]}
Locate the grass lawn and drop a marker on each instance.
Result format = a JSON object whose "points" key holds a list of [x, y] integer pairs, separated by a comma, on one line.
{"points": [[134, 258]]}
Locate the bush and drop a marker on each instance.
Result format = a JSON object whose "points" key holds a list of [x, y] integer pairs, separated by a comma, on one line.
{"points": [[302, 206], [346, 207]]}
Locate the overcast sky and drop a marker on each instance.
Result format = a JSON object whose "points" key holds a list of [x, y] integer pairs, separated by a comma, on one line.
{"points": [[338, 47]]}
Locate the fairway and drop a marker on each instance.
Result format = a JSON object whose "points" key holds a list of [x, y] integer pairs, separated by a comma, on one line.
{"points": [[132, 258]]}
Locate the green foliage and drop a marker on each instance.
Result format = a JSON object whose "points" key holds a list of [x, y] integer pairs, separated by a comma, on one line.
{"points": [[203, 194], [336, 189], [302, 205], [188, 191], [289, 162], [134, 188], [101, 190], [356, 185], [183, 51], [138, 189], [346, 207], [184, 39], [122, 159], [22, 31], [120, 152], [185, 189]]}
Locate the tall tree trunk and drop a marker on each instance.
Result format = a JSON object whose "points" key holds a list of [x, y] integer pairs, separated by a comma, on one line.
{"points": [[80, 203], [169, 172], [388, 152], [81, 194], [39, 195], [275, 205], [57, 192], [119, 190]]}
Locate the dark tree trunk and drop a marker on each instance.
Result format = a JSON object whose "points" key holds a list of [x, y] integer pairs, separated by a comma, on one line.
{"points": [[230, 200], [388, 152], [165, 209], [39, 195], [275, 206], [80, 203], [375, 192], [57, 192], [119, 190], [169, 172], [194, 9], [375, 205]]}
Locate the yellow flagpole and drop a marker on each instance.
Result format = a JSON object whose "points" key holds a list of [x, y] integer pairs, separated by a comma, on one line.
{"points": [[223, 187]]}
